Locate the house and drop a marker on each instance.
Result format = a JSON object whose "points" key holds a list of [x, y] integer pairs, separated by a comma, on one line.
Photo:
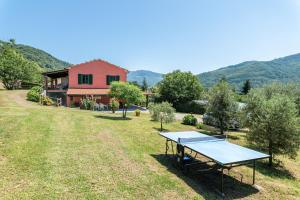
{"points": [[89, 79]]}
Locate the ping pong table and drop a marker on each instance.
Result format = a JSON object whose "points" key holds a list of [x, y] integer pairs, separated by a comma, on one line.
{"points": [[216, 149]]}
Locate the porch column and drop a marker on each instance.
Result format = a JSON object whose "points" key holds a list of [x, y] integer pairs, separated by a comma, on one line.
{"points": [[68, 99], [46, 83]]}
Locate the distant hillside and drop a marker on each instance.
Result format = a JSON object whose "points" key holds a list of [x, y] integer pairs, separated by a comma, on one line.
{"points": [[139, 75], [43, 58], [286, 69]]}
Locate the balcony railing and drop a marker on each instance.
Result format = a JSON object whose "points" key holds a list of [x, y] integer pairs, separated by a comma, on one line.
{"points": [[58, 87]]}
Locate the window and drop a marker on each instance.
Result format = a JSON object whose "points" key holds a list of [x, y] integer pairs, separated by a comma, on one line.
{"points": [[110, 79], [85, 79]]}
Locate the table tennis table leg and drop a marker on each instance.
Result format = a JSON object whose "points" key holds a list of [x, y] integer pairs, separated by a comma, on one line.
{"points": [[253, 173], [222, 182], [172, 147], [167, 146]]}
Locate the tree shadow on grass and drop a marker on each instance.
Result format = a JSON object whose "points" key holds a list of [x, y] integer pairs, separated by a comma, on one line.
{"points": [[277, 171], [112, 117], [163, 130], [208, 184]]}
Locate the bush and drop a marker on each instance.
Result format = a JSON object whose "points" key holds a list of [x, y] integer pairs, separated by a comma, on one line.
{"points": [[199, 125], [189, 120], [163, 112], [46, 101], [157, 108], [34, 94], [87, 104], [114, 105], [195, 106]]}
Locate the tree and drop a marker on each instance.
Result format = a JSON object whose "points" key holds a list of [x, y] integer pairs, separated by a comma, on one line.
{"points": [[14, 68], [144, 84], [273, 123], [246, 87], [221, 104], [163, 112], [179, 87], [127, 93]]}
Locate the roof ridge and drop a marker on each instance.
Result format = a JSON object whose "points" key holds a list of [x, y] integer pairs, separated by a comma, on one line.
{"points": [[94, 60]]}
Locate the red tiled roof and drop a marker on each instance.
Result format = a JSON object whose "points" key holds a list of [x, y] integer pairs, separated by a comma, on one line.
{"points": [[88, 91], [97, 60]]}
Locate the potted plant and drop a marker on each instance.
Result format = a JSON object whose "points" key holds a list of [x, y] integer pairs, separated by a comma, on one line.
{"points": [[137, 112]]}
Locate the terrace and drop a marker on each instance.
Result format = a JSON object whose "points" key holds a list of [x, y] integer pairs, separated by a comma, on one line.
{"points": [[57, 81]]}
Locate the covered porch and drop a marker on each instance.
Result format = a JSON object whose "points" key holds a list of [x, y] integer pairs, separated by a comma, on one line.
{"points": [[74, 96], [56, 80]]}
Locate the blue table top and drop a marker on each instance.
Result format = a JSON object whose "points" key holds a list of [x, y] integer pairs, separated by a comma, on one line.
{"points": [[221, 151]]}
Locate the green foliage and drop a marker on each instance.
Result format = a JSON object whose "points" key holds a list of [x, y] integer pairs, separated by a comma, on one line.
{"points": [[291, 90], [194, 106], [34, 94], [246, 87], [221, 104], [87, 104], [179, 87], [38, 56], [199, 126], [14, 68], [127, 93], [189, 120], [46, 101], [273, 123], [163, 111], [114, 104]]}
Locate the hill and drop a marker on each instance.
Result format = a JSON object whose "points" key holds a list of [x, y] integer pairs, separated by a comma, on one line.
{"points": [[139, 75], [286, 69], [44, 59]]}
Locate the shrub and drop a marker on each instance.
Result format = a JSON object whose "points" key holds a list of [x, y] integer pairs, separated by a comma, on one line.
{"points": [[194, 106], [189, 120], [114, 104], [157, 108], [34, 94], [163, 112], [199, 125], [86, 104], [46, 101]]}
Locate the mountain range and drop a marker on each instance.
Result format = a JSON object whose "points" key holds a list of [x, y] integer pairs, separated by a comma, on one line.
{"points": [[285, 69]]}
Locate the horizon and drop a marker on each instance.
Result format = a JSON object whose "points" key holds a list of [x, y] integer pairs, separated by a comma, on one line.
{"points": [[156, 36]]}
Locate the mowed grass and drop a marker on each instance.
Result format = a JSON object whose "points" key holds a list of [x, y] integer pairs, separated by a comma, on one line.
{"points": [[62, 153]]}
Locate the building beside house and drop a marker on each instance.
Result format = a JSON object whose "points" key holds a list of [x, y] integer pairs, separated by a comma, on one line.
{"points": [[86, 80]]}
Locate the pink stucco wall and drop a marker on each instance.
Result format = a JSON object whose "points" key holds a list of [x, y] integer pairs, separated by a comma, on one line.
{"points": [[100, 69]]}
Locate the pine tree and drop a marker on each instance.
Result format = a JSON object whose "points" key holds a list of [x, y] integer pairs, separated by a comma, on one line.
{"points": [[246, 87]]}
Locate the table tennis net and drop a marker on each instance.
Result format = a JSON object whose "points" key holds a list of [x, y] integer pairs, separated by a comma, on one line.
{"points": [[202, 139]]}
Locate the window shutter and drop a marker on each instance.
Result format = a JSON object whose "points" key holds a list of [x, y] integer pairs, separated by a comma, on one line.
{"points": [[117, 78], [79, 78], [107, 81], [91, 79]]}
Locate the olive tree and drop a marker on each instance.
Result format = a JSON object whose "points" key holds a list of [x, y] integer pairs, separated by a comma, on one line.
{"points": [[163, 112], [272, 120], [127, 93], [221, 104]]}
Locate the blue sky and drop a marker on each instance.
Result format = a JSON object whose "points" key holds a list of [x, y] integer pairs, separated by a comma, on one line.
{"points": [[157, 35]]}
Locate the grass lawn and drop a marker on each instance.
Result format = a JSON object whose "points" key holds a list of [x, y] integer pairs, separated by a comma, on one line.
{"points": [[62, 153]]}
